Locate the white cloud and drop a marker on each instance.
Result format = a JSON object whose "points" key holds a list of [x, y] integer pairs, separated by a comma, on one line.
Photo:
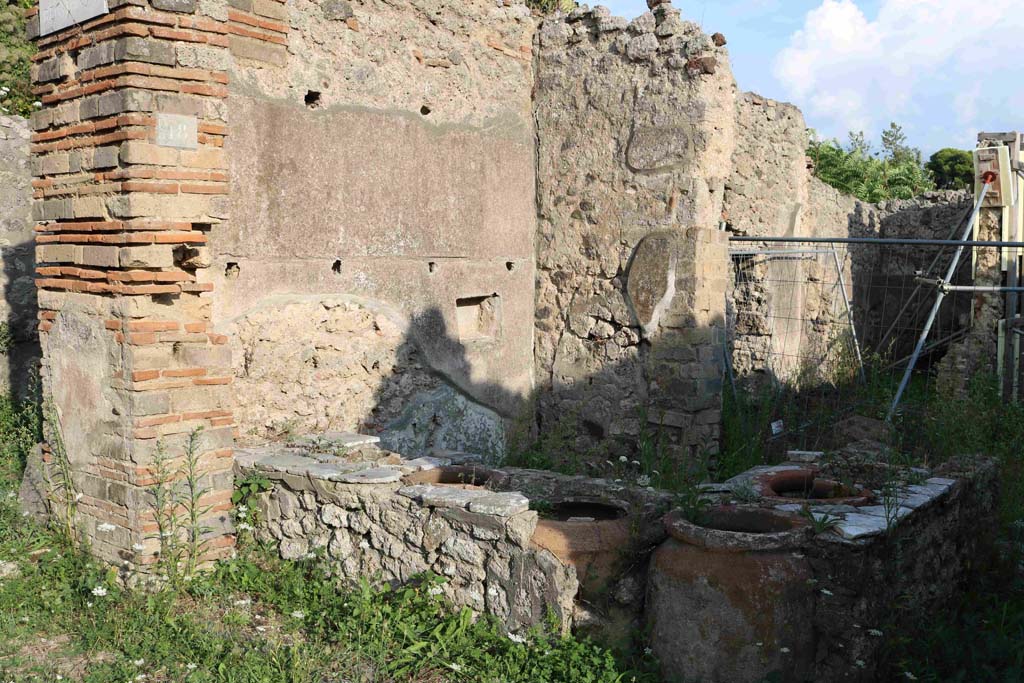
{"points": [[917, 62]]}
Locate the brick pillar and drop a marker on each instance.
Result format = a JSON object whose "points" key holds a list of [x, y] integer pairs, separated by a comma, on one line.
{"points": [[130, 179]]}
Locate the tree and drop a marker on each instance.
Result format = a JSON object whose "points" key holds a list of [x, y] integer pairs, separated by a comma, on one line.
{"points": [[952, 169], [893, 173]]}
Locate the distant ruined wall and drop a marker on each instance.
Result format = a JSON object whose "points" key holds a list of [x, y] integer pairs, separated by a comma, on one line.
{"points": [[20, 353], [380, 254], [784, 310], [635, 126]]}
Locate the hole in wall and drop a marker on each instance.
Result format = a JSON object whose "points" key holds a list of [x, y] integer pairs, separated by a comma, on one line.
{"points": [[510, 266], [336, 267], [478, 317], [424, 110], [312, 99], [432, 267], [231, 270]]}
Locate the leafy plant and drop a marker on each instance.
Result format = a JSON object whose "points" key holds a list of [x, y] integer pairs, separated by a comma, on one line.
{"points": [[820, 522], [15, 59], [895, 173]]}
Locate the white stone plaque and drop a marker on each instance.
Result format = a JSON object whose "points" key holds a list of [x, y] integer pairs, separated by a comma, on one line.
{"points": [[175, 130], [55, 15]]}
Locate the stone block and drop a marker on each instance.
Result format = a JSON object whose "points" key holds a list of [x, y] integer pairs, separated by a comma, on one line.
{"points": [[376, 475], [137, 49], [56, 253], [183, 6], [101, 256], [149, 403], [151, 256], [450, 497], [248, 48], [500, 504], [89, 207], [270, 9], [102, 157], [137, 152]]}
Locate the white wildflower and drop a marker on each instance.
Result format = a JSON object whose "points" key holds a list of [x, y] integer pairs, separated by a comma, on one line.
{"points": [[240, 514], [455, 667], [299, 614], [139, 662], [648, 651], [874, 632], [435, 590], [99, 591], [784, 650], [623, 458], [37, 104], [909, 676], [825, 591], [88, 604], [261, 629], [191, 667], [243, 603], [860, 663], [643, 480], [610, 463], [106, 526], [516, 639], [242, 509], [243, 527]]}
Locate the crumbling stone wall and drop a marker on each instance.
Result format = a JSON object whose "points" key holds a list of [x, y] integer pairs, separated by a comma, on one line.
{"points": [[634, 130], [20, 347], [372, 525], [784, 312], [386, 158]]}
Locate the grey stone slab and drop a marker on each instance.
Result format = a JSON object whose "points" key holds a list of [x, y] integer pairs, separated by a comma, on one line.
{"points": [[451, 497], [760, 469], [285, 462], [860, 526], [427, 463], [789, 507], [55, 15], [328, 471], [415, 491], [375, 475], [339, 439], [879, 511], [177, 130], [805, 456], [500, 504], [914, 500], [939, 484]]}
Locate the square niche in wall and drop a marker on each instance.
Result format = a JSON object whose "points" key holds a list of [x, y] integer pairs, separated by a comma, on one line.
{"points": [[478, 317]]}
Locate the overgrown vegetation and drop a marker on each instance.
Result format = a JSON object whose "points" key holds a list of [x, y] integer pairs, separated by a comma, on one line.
{"points": [[15, 54], [895, 171]]}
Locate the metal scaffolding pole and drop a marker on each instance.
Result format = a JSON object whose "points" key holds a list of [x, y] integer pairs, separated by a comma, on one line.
{"points": [[988, 179]]}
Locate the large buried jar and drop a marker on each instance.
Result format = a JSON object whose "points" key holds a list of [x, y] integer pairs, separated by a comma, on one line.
{"points": [[730, 599]]}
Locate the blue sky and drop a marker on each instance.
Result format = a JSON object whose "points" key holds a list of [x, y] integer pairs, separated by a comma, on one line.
{"points": [[931, 65]]}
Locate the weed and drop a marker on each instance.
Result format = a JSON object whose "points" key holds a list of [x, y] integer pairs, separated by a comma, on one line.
{"points": [[820, 522]]}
